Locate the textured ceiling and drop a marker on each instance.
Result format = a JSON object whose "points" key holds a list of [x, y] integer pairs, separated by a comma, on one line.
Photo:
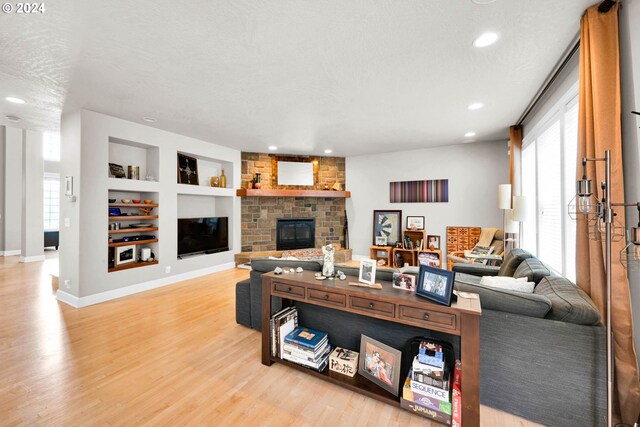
{"points": [[357, 76]]}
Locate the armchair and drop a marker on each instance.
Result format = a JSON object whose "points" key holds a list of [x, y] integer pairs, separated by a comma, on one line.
{"points": [[459, 257]]}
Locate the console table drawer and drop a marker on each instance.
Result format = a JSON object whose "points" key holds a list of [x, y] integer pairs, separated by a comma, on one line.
{"points": [[288, 290], [428, 317], [372, 306], [329, 298]]}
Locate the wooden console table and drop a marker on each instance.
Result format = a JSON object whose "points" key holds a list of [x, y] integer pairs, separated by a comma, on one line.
{"points": [[462, 318]]}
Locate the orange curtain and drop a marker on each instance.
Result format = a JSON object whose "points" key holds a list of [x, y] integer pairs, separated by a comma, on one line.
{"points": [[599, 130]]}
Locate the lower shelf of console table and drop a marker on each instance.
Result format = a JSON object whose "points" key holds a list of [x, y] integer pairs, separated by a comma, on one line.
{"points": [[462, 319]]}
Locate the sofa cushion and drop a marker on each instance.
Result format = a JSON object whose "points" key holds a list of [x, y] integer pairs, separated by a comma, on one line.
{"points": [[533, 269], [265, 265], [569, 303], [512, 260], [508, 283], [525, 304]]}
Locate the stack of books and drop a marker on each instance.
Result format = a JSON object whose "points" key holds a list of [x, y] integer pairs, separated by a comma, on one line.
{"points": [[307, 347], [427, 388], [281, 324]]}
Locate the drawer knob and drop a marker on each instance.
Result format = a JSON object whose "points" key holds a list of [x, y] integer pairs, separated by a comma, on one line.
{"points": [[289, 288], [370, 305], [326, 296], [426, 316]]}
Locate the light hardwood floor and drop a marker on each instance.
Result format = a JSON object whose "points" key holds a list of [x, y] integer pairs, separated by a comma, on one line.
{"points": [[172, 356]]}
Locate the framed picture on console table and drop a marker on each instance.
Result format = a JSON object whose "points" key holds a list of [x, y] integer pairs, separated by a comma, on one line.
{"points": [[435, 284], [380, 364], [387, 224]]}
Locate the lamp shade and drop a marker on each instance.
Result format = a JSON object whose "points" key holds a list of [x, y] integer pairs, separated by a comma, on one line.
{"points": [[510, 225], [520, 208], [504, 196]]}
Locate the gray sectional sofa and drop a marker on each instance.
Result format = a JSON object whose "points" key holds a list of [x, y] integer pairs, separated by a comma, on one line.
{"points": [[542, 355]]}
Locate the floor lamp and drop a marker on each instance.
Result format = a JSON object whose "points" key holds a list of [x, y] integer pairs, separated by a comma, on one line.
{"points": [[504, 203], [600, 215]]}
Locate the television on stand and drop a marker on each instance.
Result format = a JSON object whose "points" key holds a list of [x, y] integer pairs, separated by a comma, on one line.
{"points": [[202, 235]]}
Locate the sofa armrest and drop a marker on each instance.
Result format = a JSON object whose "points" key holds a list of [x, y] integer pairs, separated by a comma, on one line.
{"points": [[476, 269], [525, 304]]}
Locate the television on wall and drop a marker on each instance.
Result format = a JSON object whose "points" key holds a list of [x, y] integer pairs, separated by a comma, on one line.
{"points": [[202, 235]]}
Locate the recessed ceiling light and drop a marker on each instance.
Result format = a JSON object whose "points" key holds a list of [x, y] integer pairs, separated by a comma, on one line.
{"points": [[486, 39], [149, 119], [272, 148], [328, 151], [13, 118], [15, 100], [469, 134], [475, 106]]}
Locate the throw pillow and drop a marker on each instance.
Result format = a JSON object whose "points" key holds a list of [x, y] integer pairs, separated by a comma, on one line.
{"points": [[508, 283]]}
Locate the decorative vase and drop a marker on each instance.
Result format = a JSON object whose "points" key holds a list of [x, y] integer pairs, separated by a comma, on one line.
{"points": [[214, 181], [222, 181], [256, 182], [134, 172]]}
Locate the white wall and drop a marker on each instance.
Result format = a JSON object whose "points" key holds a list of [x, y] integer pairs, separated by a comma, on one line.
{"points": [[474, 172], [630, 87], [83, 246], [13, 190], [32, 198]]}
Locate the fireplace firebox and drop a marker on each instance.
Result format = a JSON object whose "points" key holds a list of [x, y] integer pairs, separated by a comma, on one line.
{"points": [[295, 233]]}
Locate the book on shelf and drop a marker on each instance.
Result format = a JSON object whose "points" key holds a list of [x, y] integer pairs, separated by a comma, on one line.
{"points": [[308, 338], [303, 353], [427, 406], [437, 416], [430, 375], [281, 324], [430, 391], [319, 364]]}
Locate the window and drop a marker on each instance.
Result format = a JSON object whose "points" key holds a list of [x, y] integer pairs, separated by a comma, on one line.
{"points": [[548, 179], [51, 201], [51, 146]]}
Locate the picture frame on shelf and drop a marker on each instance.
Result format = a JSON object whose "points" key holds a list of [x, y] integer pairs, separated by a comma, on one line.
{"points": [[405, 282], [435, 284], [367, 271], [433, 242], [415, 222], [187, 170], [125, 255], [116, 170], [380, 364], [387, 223], [381, 240]]}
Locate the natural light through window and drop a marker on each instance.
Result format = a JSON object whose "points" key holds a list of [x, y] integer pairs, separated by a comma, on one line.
{"points": [[51, 201], [51, 146], [548, 178]]}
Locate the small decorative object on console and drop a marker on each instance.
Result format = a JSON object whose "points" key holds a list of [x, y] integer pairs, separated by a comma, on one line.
{"points": [[406, 282], [328, 253], [344, 361], [277, 270], [299, 270], [435, 284]]}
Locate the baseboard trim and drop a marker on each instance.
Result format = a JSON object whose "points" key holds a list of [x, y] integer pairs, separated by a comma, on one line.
{"points": [[68, 299], [32, 258], [11, 253], [79, 302]]}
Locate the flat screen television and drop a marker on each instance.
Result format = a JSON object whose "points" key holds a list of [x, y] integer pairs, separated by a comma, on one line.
{"points": [[203, 235]]}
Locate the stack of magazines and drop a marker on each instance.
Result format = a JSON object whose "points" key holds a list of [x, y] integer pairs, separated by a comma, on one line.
{"points": [[307, 347]]}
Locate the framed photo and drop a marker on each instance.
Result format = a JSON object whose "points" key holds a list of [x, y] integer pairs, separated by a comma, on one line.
{"points": [[406, 282], [380, 364], [125, 254], [415, 223], [381, 240], [433, 242], [117, 170], [367, 271], [187, 170], [435, 284], [389, 225]]}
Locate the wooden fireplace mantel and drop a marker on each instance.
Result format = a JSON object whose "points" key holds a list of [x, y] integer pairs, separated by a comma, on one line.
{"points": [[243, 192]]}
